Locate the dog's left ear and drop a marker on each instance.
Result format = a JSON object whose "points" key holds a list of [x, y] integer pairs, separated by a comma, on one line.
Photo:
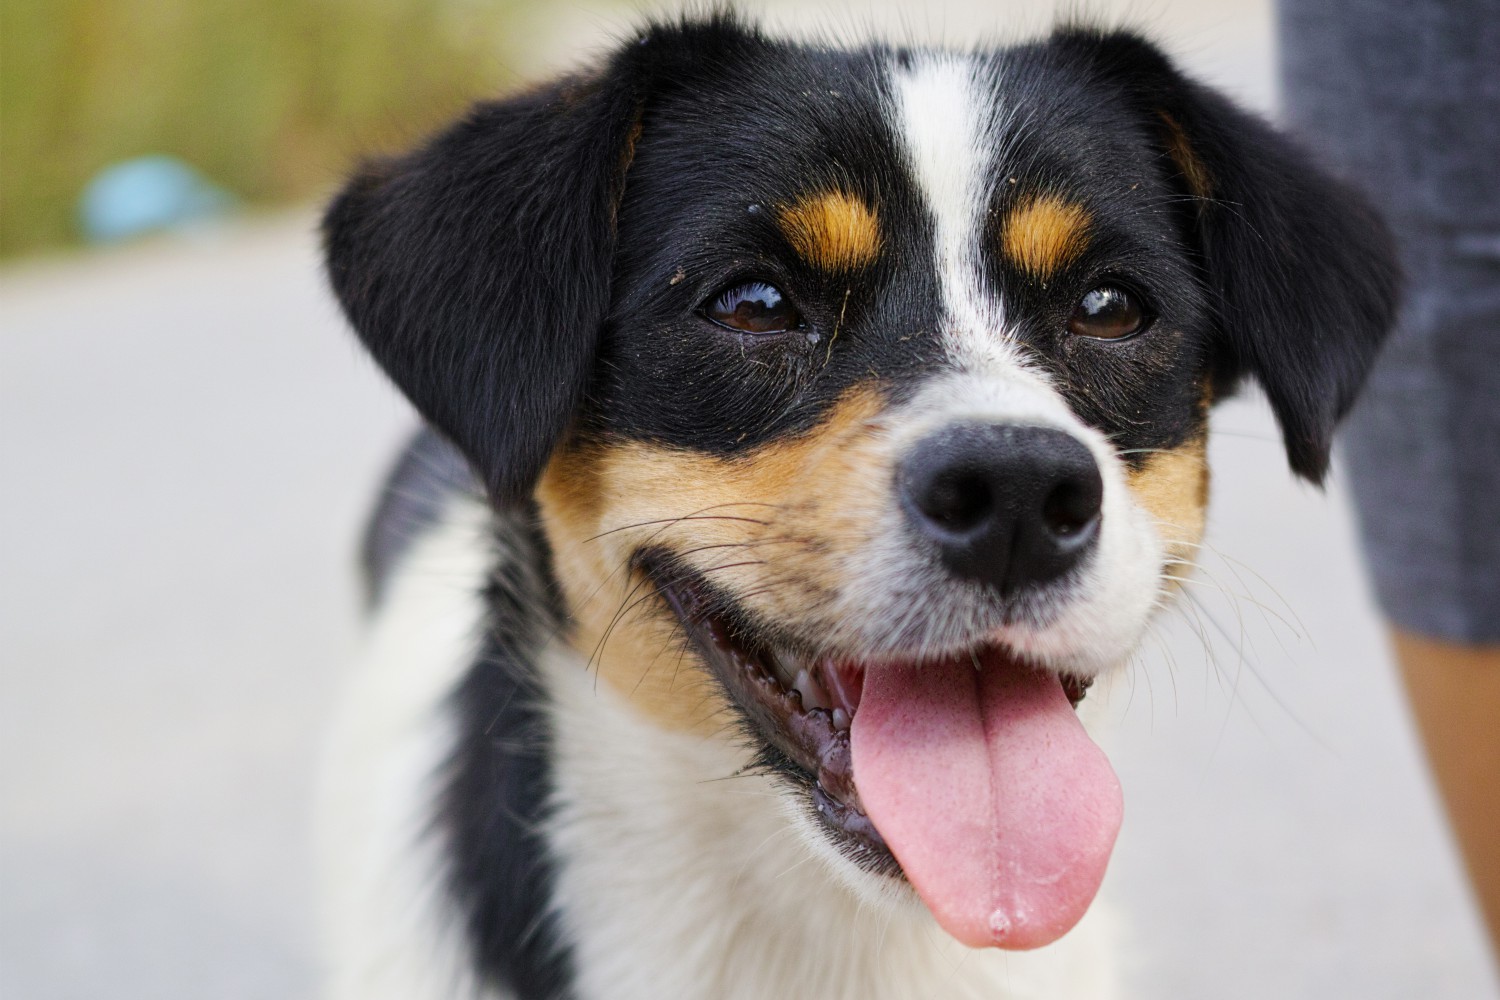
{"points": [[477, 268], [1302, 271]]}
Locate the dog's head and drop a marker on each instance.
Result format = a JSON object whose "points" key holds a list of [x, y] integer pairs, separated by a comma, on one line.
{"points": [[880, 377]]}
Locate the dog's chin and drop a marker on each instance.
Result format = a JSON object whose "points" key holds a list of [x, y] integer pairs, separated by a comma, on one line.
{"points": [[798, 703]]}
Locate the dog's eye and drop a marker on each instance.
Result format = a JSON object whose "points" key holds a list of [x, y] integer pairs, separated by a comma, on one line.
{"points": [[754, 307], [1109, 312]]}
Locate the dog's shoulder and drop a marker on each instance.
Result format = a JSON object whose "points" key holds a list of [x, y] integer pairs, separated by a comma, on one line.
{"points": [[426, 476]]}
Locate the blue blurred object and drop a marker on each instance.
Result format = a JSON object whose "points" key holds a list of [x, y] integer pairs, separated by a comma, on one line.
{"points": [[145, 195]]}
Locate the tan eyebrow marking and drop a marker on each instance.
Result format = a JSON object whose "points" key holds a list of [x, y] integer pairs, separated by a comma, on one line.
{"points": [[1045, 233], [831, 230]]}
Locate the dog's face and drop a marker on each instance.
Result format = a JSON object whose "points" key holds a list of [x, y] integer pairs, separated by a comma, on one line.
{"points": [[862, 397]]}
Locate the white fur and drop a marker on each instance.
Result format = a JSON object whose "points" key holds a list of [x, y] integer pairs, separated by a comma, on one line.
{"points": [[390, 931], [948, 121]]}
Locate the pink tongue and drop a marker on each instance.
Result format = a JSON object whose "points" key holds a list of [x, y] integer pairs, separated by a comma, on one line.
{"points": [[984, 785]]}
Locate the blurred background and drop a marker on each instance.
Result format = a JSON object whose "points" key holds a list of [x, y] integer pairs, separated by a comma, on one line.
{"points": [[267, 100], [189, 440]]}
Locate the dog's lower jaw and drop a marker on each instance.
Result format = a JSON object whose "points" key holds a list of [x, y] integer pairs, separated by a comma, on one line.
{"points": [[675, 877]]}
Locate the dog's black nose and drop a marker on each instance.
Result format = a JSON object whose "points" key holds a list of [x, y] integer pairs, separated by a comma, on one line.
{"points": [[1007, 506]]}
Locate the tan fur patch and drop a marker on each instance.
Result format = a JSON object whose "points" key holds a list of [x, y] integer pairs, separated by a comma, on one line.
{"points": [[831, 230], [1173, 488], [1044, 234], [794, 504], [1181, 151]]}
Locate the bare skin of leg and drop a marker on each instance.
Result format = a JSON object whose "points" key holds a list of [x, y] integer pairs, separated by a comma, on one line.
{"points": [[1455, 694]]}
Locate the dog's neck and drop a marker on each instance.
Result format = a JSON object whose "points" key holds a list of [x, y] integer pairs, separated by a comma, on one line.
{"points": [[680, 875]]}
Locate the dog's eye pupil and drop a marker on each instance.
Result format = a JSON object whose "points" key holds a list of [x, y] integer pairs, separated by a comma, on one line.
{"points": [[754, 307], [1108, 312]]}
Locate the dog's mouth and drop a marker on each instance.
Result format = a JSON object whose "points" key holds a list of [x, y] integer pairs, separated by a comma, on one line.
{"points": [[802, 707], [969, 774]]}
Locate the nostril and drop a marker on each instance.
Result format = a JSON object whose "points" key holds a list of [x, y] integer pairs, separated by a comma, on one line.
{"points": [[1071, 508], [959, 500]]}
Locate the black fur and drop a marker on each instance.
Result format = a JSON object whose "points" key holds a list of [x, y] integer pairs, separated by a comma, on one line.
{"points": [[497, 790], [477, 269], [499, 871]]}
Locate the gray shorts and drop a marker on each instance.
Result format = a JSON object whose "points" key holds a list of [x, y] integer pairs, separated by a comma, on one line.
{"points": [[1404, 98]]}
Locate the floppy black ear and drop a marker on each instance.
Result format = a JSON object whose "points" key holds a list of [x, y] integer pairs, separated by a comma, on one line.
{"points": [[476, 269], [1302, 271]]}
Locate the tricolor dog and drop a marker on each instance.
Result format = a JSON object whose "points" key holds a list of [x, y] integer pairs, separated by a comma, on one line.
{"points": [[807, 429]]}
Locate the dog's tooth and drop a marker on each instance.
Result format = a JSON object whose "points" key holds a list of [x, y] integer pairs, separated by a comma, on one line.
{"points": [[840, 719], [844, 684], [813, 695], [785, 666]]}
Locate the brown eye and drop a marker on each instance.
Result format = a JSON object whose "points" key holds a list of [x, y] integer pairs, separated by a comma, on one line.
{"points": [[1108, 312], [754, 307]]}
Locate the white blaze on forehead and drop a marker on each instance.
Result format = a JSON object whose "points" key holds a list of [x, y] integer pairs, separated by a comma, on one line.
{"points": [[947, 119]]}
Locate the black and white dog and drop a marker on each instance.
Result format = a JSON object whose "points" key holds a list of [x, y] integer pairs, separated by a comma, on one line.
{"points": [[808, 429]]}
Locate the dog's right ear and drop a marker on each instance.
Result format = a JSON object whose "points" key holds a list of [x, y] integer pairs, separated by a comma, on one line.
{"points": [[477, 268], [1302, 273]]}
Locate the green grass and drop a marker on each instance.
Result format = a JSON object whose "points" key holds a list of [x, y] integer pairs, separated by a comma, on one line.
{"points": [[271, 99]]}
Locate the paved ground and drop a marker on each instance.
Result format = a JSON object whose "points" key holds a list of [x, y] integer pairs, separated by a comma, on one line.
{"points": [[189, 439]]}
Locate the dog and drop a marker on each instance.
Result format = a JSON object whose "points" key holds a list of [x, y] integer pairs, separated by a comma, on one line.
{"points": [[806, 430]]}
